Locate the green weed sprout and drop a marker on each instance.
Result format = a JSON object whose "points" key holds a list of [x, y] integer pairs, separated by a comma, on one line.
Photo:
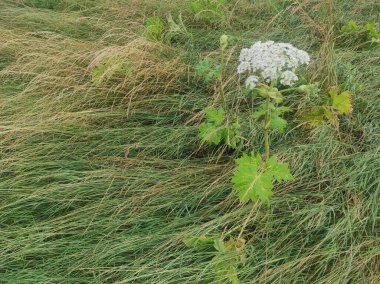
{"points": [[336, 105], [363, 36], [108, 68], [170, 31], [209, 11], [226, 256]]}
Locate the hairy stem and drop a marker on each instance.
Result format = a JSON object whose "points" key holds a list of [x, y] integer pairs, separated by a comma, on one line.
{"points": [[266, 128], [221, 87]]}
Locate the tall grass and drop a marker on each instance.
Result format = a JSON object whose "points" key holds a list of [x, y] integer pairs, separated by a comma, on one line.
{"points": [[101, 184]]}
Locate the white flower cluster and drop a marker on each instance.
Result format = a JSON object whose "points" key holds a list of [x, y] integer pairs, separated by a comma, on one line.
{"points": [[271, 61], [251, 82]]}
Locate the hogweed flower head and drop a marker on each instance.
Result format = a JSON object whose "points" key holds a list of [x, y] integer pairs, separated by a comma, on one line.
{"points": [[251, 82], [270, 61]]}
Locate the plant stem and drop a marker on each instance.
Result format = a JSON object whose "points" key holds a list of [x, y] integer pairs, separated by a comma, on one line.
{"points": [[221, 87], [246, 222], [266, 127], [289, 90]]}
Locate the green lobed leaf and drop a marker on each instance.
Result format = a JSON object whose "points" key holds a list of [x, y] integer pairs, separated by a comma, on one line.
{"points": [[213, 130], [208, 69], [225, 272], [231, 135], [341, 102], [258, 114], [277, 123], [249, 179], [280, 171], [282, 109], [227, 255], [313, 116], [370, 30], [350, 27], [203, 66], [202, 243], [253, 179], [211, 133], [215, 115], [219, 245], [310, 89]]}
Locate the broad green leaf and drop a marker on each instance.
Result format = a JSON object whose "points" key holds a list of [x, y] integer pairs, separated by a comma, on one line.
{"points": [[253, 179], [219, 245], [370, 30], [208, 69], [280, 171], [277, 123], [227, 256], [332, 117], [311, 89], [235, 244], [270, 92], [261, 111], [214, 73], [258, 114], [282, 109], [341, 102], [202, 243], [211, 133], [276, 95], [215, 115], [314, 116], [203, 66], [350, 27], [231, 135], [250, 179], [213, 130], [225, 271]]}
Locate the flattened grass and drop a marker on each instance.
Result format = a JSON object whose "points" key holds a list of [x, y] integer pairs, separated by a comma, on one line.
{"points": [[101, 184]]}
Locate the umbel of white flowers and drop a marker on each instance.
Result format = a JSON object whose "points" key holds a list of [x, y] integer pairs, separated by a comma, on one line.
{"points": [[270, 61]]}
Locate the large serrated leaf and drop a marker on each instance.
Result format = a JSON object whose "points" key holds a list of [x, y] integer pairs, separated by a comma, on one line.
{"points": [[313, 116], [341, 102], [250, 180], [215, 115], [213, 130], [280, 171], [211, 133], [253, 179], [278, 123]]}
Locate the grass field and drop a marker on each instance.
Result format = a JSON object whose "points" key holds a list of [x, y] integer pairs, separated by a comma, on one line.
{"points": [[102, 178]]}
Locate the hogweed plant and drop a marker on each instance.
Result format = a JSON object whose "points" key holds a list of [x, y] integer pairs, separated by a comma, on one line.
{"points": [[226, 256], [270, 72], [267, 66], [335, 106], [221, 125], [366, 36]]}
